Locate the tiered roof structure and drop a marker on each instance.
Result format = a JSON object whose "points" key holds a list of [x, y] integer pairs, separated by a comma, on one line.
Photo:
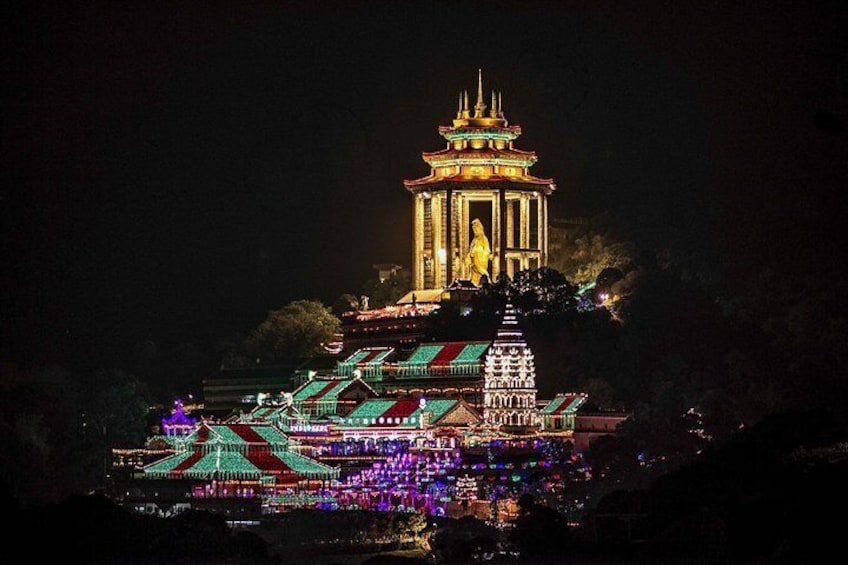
{"points": [[480, 164], [239, 451]]}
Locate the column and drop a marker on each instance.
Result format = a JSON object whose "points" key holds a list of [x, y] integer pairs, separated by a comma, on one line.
{"points": [[510, 227], [449, 237], [543, 244], [496, 235], [436, 220], [524, 228], [502, 240], [418, 242], [540, 223], [464, 226], [510, 235]]}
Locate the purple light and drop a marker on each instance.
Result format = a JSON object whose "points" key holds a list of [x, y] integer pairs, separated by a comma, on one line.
{"points": [[178, 424]]}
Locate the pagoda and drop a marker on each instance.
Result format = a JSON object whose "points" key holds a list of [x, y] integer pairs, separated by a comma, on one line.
{"points": [[509, 384], [480, 164]]}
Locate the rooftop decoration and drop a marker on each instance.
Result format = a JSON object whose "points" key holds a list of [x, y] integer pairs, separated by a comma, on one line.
{"points": [[178, 423]]}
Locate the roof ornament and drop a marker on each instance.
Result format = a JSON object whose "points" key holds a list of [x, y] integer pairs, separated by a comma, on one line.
{"points": [[480, 107], [493, 111], [459, 107], [500, 105]]}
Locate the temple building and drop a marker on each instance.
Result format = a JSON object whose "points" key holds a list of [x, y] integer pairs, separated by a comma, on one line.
{"points": [[478, 184], [509, 387]]}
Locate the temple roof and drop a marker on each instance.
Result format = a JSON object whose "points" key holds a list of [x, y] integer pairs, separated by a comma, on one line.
{"points": [[403, 413], [480, 137], [446, 354], [432, 181], [481, 153], [249, 464], [564, 404], [237, 433], [238, 449], [321, 389]]}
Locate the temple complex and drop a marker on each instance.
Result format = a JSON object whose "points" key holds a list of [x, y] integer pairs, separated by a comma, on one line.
{"points": [[396, 422], [479, 186]]}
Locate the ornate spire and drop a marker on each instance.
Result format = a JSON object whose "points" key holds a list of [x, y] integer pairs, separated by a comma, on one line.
{"points": [[500, 105], [493, 111], [479, 108], [465, 112], [459, 107]]}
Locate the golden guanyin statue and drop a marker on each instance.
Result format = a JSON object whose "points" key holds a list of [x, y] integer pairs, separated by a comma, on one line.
{"points": [[479, 253]]}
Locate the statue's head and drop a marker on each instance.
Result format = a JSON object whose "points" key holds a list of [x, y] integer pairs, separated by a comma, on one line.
{"points": [[477, 227]]}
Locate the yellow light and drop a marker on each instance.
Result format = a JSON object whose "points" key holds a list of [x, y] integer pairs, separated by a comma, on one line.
{"points": [[442, 255]]}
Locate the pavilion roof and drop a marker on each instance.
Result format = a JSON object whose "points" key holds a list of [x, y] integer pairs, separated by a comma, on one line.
{"points": [[486, 152], [254, 433], [320, 389], [564, 404], [205, 464], [446, 354], [493, 180], [399, 413], [368, 356]]}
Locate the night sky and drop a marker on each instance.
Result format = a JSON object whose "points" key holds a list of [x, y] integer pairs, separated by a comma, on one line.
{"points": [[171, 174]]}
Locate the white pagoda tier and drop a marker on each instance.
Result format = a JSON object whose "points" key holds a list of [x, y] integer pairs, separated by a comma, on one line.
{"points": [[509, 385]]}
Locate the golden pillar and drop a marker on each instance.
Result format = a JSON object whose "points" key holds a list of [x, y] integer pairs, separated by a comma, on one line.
{"points": [[418, 243], [464, 220], [497, 248], [540, 223], [524, 228], [438, 250]]}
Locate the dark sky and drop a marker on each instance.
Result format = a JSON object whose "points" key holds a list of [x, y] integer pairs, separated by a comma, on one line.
{"points": [[170, 174]]}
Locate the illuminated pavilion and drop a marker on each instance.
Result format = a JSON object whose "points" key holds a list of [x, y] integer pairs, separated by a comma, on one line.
{"points": [[479, 174]]}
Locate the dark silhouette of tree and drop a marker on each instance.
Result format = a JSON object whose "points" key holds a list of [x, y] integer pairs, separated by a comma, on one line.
{"points": [[540, 532], [295, 330], [389, 291]]}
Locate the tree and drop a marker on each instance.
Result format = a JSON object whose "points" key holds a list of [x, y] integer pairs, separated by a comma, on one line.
{"points": [[296, 330], [540, 531], [388, 291]]}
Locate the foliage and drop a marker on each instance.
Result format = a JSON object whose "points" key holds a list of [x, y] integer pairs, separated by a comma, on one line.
{"points": [[582, 254], [389, 291], [540, 531], [58, 429], [296, 330], [345, 303], [92, 529], [456, 541], [767, 494]]}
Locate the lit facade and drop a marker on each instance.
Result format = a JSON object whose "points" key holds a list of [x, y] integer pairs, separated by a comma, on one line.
{"points": [[509, 385], [480, 174]]}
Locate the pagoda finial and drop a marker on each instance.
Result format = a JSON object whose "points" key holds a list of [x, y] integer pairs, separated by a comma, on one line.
{"points": [[500, 105], [479, 108], [493, 111], [459, 107], [465, 113]]}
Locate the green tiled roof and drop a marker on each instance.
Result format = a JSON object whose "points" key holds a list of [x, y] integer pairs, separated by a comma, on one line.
{"points": [[470, 353], [271, 434], [304, 465], [423, 355], [227, 435], [371, 410], [231, 461], [564, 404], [315, 386], [167, 464]]}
